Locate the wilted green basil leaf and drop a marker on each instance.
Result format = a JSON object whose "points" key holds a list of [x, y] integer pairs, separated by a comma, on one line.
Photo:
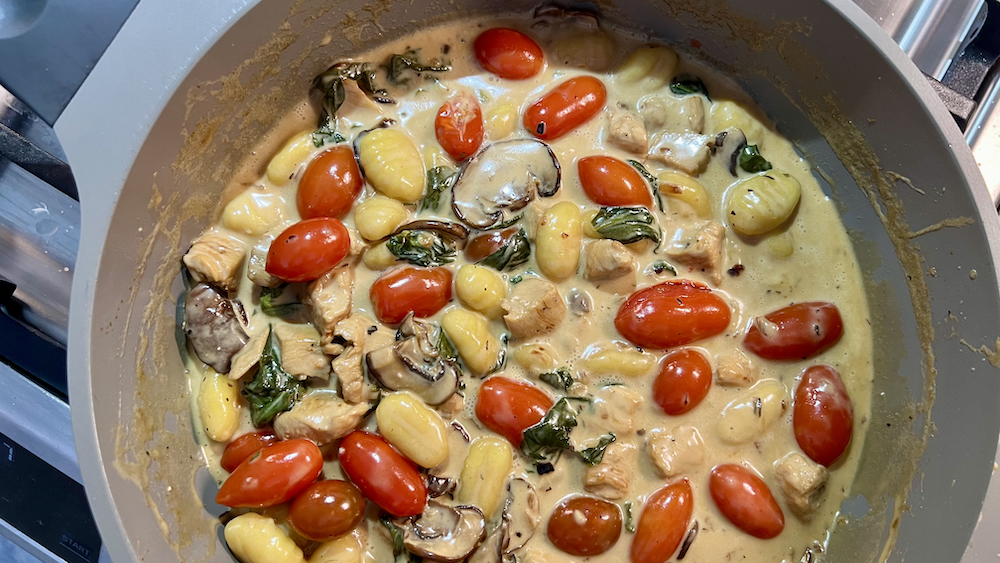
{"points": [[626, 224], [272, 390], [686, 84], [653, 182], [659, 267], [269, 308], [551, 434], [422, 248], [752, 161], [439, 179], [410, 60], [560, 379], [514, 252], [594, 455]]}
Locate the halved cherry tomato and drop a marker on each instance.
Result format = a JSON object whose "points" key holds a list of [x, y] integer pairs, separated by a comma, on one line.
{"points": [[796, 332], [823, 416], [744, 499], [508, 53], [684, 379], [508, 407], [672, 313], [384, 476], [565, 107], [459, 126], [483, 245], [330, 184], [272, 476], [663, 523], [583, 525], [327, 509], [308, 249], [422, 291], [245, 446], [609, 181]]}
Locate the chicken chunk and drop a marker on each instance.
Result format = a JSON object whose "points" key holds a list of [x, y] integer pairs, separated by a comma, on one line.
{"points": [[534, 307], [610, 478], [301, 355], [358, 243], [329, 300], [614, 408], [735, 369], [452, 407], [249, 356], [687, 152], [348, 349], [257, 268], [677, 451], [802, 483], [321, 416], [608, 259], [216, 258], [627, 132], [671, 114], [700, 249]]}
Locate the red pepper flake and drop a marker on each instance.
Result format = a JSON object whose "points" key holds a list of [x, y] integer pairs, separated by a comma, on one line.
{"points": [[696, 44]]}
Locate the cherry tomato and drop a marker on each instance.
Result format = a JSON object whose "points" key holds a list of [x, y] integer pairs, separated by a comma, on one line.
{"points": [[327, 509], [330, 184], [245, 446], [684, 378], [487, 243], [422, 291], [384, 476], [565, 107], [508, 53], [671, 314], [272, 476], [609, 181], [744, 499], [459, 126], [663, 523], [796, 332], [584, 525], [308, 249], [823, 416], [508, 407]]}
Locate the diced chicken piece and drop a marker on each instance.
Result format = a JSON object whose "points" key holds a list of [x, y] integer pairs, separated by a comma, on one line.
{"points": [[627, 131], [677, 451], [358, 243], [610, 478], [802, 483], [450, 408], [348, 349], [671, 114], [534, 307], [248, 357], [329, 300], [688, 152], [614, 408], [608, 259], [321, 416], [700, 249], [257, 268], [301, 355], [735, 369], [217, 259]]}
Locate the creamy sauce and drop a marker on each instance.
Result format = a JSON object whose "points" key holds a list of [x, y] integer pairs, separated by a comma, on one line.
{"points": [[819, 267]]}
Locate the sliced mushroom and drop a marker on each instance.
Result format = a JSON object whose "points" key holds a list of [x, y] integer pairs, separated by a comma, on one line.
{"points": [[728, 144], [449, 229], [443, 533], [502, 179], [521, 517], [413, 363], [213, 327]]}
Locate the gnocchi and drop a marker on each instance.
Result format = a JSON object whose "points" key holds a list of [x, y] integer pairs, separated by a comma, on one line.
{"points": [[470, 333], [413, 428], [292, 155], [377, 217], [655, 65], [761, 203], [392, 164], [686, 189], [558, 239], [253, 213], [254, 538], [481, 290], [753, 412], [617, 358], [219, 405], [485, 473]]}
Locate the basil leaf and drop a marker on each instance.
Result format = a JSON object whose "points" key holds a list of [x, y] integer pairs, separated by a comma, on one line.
{"points": [[444, 346], [439, 179], [629, 523], [653, 182], [752, 161], [659, 267], [686, 84], [551, 434], [560, 379], [410, 61], [512, 254], [594, 455], [272, 390], [269, 308], [395, 534], [626, 224], [422, 248]]}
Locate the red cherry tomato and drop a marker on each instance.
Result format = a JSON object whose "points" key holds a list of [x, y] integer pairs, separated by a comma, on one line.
{"points": [[584, 525], [684, 378], [245, 446], [823, 416], [459, 126], [327, 509], [422, 291], [384, 476], [308, 249], [796, 332], [744, 499], [565, 107], [330, 184], [272, 476], [609, 181], [508, 407], [663, 523], [508, 53], [672, 313]]}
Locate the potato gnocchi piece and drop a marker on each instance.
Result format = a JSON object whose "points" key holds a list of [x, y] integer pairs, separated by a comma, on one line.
{"points": [[413, 428], [748, 416], [254, 213], [591, 51], [727, 114], [762, 203], [537, 358], [379, 257], [487, 467], [781, 245], [654, 65], [378, 216], [616, 358], [685, 188], [348, 548], [481, 289], [254, 538], [392, 164], [558, 239], [292, 156], [501, 121], [470, 333], [219, 405]]}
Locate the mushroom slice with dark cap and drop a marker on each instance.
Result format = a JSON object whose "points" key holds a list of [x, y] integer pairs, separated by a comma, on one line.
{"points": [[443, 533], [502, 179], [448, 229], [728, 144], [413, 363], [521, 516], [213, 327]]}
